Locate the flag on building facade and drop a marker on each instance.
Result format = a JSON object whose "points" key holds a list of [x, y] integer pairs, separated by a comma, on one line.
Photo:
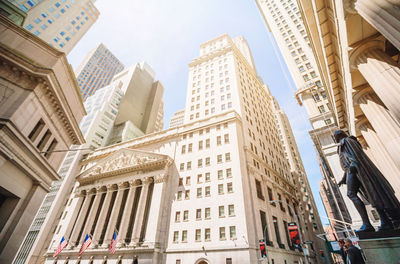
{"points": [[113, 244], [61, 246], [86, 243]]}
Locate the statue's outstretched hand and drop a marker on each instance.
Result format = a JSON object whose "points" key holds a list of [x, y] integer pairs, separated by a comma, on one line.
{"points": [[343, 180]]}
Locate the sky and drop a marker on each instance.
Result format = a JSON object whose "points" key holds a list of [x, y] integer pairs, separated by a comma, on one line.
{"points": [[167, 35]]}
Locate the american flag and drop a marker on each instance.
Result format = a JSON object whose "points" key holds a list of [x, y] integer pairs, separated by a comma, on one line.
{"points": [[114, 242], [86, 243], [61, 246]]}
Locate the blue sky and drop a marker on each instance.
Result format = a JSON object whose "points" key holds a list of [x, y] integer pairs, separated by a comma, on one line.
{"points": [[167, 35]]}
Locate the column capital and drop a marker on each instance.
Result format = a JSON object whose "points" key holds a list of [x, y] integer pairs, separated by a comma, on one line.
{"points": [[361, 96], [134, 183], [162, 177], [350, 6], [121, 185], [147, 180], [363, 124], [355, 56], [109, 186]]}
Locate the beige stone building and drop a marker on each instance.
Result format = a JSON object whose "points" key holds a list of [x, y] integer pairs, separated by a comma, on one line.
{"points": [[40, 109], [356, 44], [196, 193], [177, 119], [60, 23]]}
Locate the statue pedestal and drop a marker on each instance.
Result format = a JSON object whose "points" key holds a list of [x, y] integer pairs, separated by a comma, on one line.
{"points": [[381, 247]]}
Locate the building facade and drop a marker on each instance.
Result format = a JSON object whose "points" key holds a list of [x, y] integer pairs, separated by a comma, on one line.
{"points": [[97, 70], [98, 128], [358, 53], [177, 119], [40, 109], [61, 23], [285, 22], [212, 202]]}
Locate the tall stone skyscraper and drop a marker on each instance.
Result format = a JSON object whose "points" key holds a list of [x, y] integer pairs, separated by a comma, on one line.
{"points": [[97, 70], [200, 192], [108, 120], [284, 21], [60, 23]]}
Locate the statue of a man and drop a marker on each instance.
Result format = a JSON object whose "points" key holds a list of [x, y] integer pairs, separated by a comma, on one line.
{"points": [[362, 176]]}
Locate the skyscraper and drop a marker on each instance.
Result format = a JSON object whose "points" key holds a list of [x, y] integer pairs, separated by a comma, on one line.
{"points": [[177, 118], [61, 23], [99, 128], [227, 181], [284, 20], [97, 70]]}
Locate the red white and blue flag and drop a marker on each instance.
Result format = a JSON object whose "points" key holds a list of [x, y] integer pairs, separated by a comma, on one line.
{"points": [[61, 246], [86, 244], [113, 243]]}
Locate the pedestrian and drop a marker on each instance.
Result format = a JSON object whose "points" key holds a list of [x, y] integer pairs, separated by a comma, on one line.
{"points": [[354, 255], [342, 251]]}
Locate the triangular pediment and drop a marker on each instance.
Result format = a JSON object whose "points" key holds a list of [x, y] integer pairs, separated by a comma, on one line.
{"points": [[123, 160]]}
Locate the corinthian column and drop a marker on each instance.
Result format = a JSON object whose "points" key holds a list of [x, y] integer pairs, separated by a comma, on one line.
{"points": [[384, 16], [100, 222], [127, 212], [380, 154], [80, 219], [381, 72], [114, 214], [93, 211], [387, 129], [137, 227]]}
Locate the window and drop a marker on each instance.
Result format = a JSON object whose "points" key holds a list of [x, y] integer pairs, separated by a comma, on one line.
{"points": [[198, 235], [222, 235], [180, 181], [198, 214], [178, 261], [229, 187], [219, 158], [36, 130], [276, 227], [264, 224], [228, 173], [270, 196], [328, 121], [208, 161], [232, 232], [182, 166], [43, 141], [285, 226], [200, 163], [179, 195], [183, 151], [199, 178], [199, 192], [207, 143], [207, 190], [226, 138], [231, 210], [177, 216], [220, 175], [228, 156], [188, 180], [184, 236], [321, 109], [221, 211], [220, 189], [218, 140], [189, 165], [187, 194], [207, 177], [37, 20], [176, 236], [207, 213], [190, 147], [201, 145], [259, 190], [207, 234], [185, 215], [228, 261]]}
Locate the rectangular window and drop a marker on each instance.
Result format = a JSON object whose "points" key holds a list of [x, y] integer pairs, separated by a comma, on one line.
{"points": [[185, 215], [207, 234], [200, 163], [198, 214], [179, 195], [201, 145], [187, 194], [228, 173], [228, 261], [188, 180], [198, 235], [199, 178], [208, 143], [264, 224], [184, 236], [176, 236], [207, 191], [231, 210], [219, 158], [183, 149], [220, 189], [218, 140], [228, 156], [285, 226], [276, 227], [208, 161], [177, 216], [207, 213], [270, 196], [182, 166], [221, 211], [43, 141], [180, 182], [199, 192], [36, 130], [220, 175], [190, 147], [232, 232], [207, 177], [259, 190], [222, 235], [229, 187], [189, 165], [226, 138]]}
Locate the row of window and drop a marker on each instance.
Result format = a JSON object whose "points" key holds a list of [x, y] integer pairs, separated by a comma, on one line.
{"points": [[206, 234], [207, 213], [207, 177], [207, 161], [36, 131], [206, 143], [207, 191]]}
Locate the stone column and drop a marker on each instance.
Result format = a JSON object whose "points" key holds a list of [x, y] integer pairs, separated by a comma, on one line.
{"points": [[384, 16], [137, 227], [114, 214], [384, 162], [380, 71], [102, 216], [74, 216], [79, 220], [92, 212], [127, 212], [387, 129]]}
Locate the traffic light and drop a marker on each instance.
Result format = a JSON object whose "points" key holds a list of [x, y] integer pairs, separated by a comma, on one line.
{"points": [[263, 249]]}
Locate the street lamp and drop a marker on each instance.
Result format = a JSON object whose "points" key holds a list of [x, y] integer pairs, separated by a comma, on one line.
{"points": [[298, 226]]}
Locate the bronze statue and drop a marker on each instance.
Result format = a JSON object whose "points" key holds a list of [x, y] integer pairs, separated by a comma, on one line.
{"points": [[362, 176]]}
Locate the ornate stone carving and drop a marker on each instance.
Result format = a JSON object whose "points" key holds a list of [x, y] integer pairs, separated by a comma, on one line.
{"points": [[161, 178], [147, 180]]}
